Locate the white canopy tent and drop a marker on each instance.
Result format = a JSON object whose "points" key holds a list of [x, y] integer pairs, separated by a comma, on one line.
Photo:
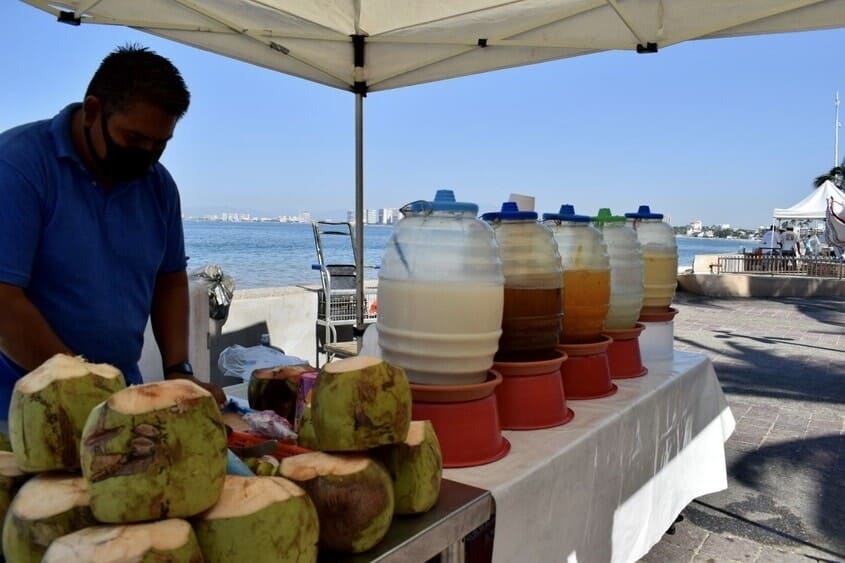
{"points": [[814, 205], [370, 45]]}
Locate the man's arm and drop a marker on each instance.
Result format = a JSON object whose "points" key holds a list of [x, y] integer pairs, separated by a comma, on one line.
{"points": [[170, 317], [25, 336], [170, 320]]}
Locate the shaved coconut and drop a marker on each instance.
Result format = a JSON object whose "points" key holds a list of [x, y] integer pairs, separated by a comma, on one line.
{"points": [[140, 399], [47, 506], [360, 403], [353, 495], [318, 464], [416, 468], [163, 460], [261, 519], [50, 406], [169, 540], [62, 366], [351, 364], [245, 495]]}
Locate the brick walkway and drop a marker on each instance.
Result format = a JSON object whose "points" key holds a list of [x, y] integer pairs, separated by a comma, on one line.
{"points": [[781, 363]]}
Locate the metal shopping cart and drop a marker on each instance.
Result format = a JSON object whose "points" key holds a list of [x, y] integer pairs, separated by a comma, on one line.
{"points": [[336, 299]]}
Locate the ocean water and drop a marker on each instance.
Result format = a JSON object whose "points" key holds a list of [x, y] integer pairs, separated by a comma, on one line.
{"points": [[279, 254]]}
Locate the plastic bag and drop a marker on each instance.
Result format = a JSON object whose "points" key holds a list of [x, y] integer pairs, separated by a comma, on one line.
{"points": [[270, 424], [241, 361], [221, 288]]}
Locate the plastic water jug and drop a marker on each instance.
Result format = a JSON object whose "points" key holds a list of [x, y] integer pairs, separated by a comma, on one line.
{"points": [[660, 258], [533, 279], [441, 293], [586, 275], [626, 270]]}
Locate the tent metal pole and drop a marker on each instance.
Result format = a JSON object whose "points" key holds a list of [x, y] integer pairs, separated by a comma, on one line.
{"points": [[359, 212]]}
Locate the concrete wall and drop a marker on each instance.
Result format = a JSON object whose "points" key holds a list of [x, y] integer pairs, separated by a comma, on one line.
{"points": [[705, 263], [150, 363], [287, 314], [748, 285]]}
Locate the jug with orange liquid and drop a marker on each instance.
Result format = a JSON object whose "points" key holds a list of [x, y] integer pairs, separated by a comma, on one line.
{"points": [[586, 275]]}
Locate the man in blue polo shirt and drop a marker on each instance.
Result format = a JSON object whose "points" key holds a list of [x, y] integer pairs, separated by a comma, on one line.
{"points": [[91, 241]]}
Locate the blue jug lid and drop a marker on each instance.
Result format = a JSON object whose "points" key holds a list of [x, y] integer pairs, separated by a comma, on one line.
{"points": [[566, 213], [644, 212], [444, 200], [510, 212]]}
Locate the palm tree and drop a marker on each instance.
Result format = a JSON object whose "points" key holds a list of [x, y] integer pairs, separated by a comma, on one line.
{"points": [[835, 175]]}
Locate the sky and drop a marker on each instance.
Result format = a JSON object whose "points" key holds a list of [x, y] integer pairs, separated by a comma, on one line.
{"points": [[720, 130]]}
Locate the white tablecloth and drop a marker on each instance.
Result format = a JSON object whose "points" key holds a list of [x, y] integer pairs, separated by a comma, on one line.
{"points": [[607, 485]]}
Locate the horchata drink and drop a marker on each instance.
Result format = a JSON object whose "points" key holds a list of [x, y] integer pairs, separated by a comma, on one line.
{"points": [[660, 258], [441, 293], [626, 270], [531, 318], [586, 275]]}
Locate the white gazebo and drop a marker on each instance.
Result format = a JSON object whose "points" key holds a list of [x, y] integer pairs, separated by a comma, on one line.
{"points": [[814, 206]]}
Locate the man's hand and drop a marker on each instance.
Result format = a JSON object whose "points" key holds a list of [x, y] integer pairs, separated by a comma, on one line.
{"points": [[215, 390]]}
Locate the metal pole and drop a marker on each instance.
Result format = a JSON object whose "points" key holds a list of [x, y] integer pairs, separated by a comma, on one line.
{"points": [[836, 126], [359, 211]]}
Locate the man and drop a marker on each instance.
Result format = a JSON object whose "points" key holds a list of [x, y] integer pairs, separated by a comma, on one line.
{"points": [[813, 245], [771, 241], [91, 240], [790, 245]]}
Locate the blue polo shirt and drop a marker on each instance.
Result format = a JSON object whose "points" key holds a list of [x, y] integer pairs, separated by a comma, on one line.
{"points": [[87, 258]]}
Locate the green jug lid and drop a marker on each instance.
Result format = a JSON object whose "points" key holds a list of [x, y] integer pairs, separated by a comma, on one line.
{"points": [[605, 216]]}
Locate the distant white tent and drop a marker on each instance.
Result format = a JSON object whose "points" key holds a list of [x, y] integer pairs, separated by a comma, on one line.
{"points": [[814, 205]]}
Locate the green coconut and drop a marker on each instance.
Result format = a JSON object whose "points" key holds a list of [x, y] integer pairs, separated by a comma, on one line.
{"points": [[49, 408], [11, 479], [171, 541], [154, 451], [416, 467], [259, 519], [266, 465], [48, 506], [306, 437], [353, 495], [360, 403], [276, 389]]}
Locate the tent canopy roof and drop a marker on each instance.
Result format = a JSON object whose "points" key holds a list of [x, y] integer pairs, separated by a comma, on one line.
{"points": [[814, 205], [414, 41]]}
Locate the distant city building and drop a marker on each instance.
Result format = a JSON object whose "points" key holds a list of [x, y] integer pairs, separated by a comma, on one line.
{"points": [[383, 216], [694, 229], [389, 215]]}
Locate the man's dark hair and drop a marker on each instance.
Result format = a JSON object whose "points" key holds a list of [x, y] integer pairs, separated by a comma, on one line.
{"points": [[132, 74]]}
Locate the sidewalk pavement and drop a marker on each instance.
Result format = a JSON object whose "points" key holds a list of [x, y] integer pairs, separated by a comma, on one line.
{"points": [[781, 363]]}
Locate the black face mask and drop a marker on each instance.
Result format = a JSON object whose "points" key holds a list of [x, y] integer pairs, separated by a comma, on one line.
{"points": [[121, 164]]}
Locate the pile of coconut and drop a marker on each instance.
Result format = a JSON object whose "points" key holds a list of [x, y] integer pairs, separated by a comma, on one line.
{"points": [[139, 473], [136, 474], [370, 460]]}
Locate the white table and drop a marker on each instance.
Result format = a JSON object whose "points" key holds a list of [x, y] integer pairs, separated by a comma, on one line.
{"points": [[607, 485]]}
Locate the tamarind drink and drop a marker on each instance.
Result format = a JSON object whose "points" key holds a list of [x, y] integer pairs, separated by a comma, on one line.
{"points": [[586, 299], [532, 269]]}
